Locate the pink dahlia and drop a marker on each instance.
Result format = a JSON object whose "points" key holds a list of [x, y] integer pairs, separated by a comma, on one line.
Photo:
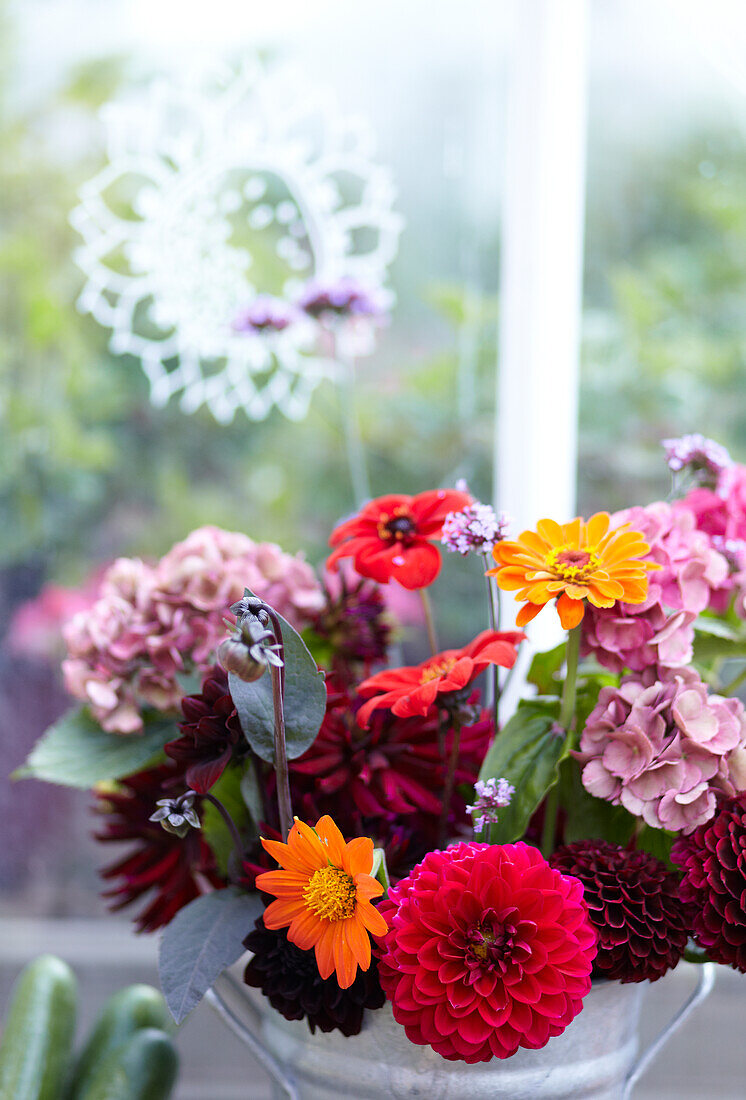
{"points": [[152, 623], [659, 631], [713, 860], [663, 749], [488, 949]]}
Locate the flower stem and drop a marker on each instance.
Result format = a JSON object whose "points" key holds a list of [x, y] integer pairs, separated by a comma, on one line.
{"points": [[284, 804], [232, 827], [493, 609], [566, 721], [427, 607], [449, 784], [353, 438]]}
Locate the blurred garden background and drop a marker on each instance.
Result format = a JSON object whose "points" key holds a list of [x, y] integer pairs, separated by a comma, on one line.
{"points": [[89, 470]]}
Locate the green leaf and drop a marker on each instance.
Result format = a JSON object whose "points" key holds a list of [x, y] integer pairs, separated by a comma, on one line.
{"points": [[251, 793], [544, 669], [658, 842], [526, 752], [305, 700], [587, 816], [203, 939], [217, 834], [76, 752], [714, 638]]}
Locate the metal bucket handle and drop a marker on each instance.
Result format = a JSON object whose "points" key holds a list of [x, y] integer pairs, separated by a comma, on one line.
{"points": [[269, 1063], [287, 1086], [701, 992]]}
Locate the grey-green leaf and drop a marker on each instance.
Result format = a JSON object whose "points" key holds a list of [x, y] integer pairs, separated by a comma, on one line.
{"points": [[526, 752], [305, 700], [76, 752], [200, 942]]}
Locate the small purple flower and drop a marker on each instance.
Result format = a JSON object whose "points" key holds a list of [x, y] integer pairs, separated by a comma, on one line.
{"points": [[340, 298], [476, 528], [266, 314], [492, 795], [698, 454]]}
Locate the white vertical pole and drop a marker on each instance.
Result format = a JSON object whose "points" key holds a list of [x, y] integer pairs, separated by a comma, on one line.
{"points": [[541, 274]]}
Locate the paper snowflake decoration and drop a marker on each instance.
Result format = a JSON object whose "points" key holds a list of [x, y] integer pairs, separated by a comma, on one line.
{"points": [[222, 201]]}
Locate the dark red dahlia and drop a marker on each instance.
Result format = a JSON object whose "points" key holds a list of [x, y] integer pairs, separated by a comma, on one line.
{"points": [[171, 870], [394, 767], [210, 733], [289, 978], [634, 905], [353, 622], [488, 949], [713, 860]]}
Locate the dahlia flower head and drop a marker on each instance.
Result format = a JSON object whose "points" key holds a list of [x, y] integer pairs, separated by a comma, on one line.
{"points": [[660, 630], [713, 860], [488, 949], [664, 749], [154, 622]]}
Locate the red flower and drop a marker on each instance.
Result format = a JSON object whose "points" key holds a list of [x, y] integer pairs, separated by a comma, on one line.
{"points": [[413, 689], [210, 733], [395, 767], [389, 539], [173, 871], [713, 860], [488, 949]]}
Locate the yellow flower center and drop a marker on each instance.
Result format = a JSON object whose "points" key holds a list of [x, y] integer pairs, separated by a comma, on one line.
{"points": [[570, 564], [436, 670], [330, 894]]}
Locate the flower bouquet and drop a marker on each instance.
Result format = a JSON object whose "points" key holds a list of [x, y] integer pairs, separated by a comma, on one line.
{"points": [[415, 886]]}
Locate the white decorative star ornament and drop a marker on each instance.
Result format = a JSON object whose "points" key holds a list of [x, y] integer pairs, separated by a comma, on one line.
{"points": [[220, 203]]}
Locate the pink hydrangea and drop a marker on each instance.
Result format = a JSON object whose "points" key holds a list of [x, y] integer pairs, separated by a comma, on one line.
{"points": [[720, 514], [664, 748], [153, 623], [659, 631]]}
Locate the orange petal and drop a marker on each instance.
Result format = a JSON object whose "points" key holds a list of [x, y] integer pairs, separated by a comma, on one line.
{"points": [[333, 841], [279, 914], [325, 951], [305, 929], [284, 884], [307, 846], [597, 526], [344, 962], [374, 921], [359, 856], [550, 531], [285, 856], [358, 941], [528, 612], [570, 611]]}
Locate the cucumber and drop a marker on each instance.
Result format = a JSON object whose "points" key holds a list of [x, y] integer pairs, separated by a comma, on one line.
{"points": [[38, 1034], [144, 1068], [126, 1012]]}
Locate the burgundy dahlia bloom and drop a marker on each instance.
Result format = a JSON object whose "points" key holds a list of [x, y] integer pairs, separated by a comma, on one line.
{"points": [[171, 870], [353, 622], [289, 978], [634, 905], [394, 767], [209, 735], [488, 949], [713, 860]]}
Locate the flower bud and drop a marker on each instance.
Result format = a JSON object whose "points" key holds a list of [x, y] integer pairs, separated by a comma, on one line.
{"points": [[177, 815], [236, 657]]}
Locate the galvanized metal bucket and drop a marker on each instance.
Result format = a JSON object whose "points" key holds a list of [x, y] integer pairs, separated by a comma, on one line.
{"points": [[595, 1057]]}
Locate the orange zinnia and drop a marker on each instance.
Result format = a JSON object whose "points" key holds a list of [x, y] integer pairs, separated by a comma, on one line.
{"points": [[573, 562], [323, 896]]}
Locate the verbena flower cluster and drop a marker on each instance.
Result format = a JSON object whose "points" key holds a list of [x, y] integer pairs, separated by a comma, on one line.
{"points": [[697, 453], [153, 623], [475, 529], [493, 795], [664, 749]]}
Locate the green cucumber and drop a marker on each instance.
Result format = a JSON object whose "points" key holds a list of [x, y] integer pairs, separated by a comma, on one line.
{"points": [[144, 1068], [126, 1012], [38, 1034]]}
